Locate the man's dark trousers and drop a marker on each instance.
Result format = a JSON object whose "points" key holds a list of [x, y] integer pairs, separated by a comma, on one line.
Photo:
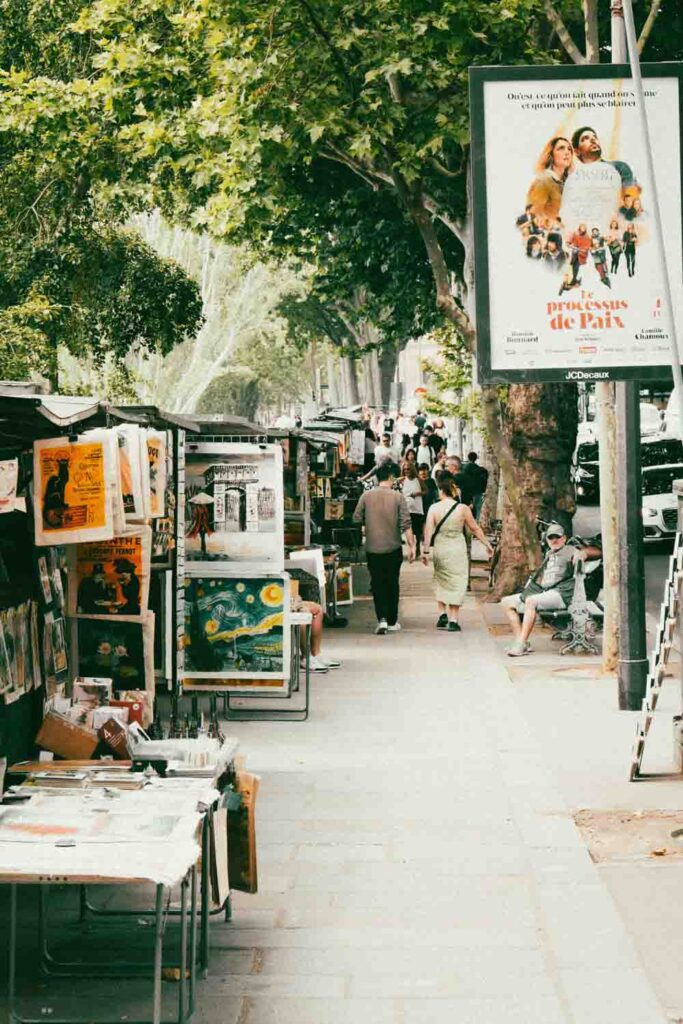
{"points": [[385, 570]]}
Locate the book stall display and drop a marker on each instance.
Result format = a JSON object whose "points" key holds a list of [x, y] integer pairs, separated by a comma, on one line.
{"points": [[334, 492], [92, 623], [241, 637]]}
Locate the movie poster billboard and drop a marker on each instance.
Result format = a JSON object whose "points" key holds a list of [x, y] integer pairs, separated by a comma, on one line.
{"points": [[234, 506], [237, 627], [568, 280], [111, 577]]}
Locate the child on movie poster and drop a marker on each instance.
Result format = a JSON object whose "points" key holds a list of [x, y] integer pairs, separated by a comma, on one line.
{"points": [[573, 270], [111, 577]]}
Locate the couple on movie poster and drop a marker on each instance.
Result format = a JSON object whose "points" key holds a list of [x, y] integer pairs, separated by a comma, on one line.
{"points": [[583, 217]]}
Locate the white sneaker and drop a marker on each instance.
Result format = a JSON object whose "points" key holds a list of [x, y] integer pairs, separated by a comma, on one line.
{"points": [[318, 665], [381, 627], [396, 628], [330, 662]]}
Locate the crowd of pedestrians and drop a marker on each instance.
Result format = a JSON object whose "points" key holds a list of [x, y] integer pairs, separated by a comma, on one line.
{"points": [[426, 495]]}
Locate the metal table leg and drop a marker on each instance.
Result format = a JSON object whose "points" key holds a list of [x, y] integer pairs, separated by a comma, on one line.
{"points": [[193, 943]]}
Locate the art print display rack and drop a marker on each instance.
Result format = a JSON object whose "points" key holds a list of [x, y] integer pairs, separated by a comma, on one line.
{"points": [[32, 422], [669, 620], [238, 634]]}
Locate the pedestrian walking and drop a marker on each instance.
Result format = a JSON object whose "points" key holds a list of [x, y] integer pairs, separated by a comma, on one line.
{"points": [[384, 514], [425, 453], [444, 529], [412, 492], [477, 477]]}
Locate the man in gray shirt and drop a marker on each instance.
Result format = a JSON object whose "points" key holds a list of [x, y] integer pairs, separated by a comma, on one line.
{"points": [[384, 513]]}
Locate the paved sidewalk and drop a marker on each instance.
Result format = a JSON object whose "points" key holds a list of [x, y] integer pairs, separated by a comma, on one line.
{"points": [[418, 864]]}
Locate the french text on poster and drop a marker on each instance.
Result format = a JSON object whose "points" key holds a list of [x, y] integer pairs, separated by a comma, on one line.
{"points": [[111, 577], [72, 480], [568, 278]]}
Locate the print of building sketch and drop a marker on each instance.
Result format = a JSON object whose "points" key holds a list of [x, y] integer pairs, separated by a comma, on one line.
{"points": [[234, 505], [237, 627]]}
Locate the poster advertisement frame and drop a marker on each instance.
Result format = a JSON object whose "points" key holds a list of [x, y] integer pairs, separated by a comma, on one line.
{"points": [[516, 76]]}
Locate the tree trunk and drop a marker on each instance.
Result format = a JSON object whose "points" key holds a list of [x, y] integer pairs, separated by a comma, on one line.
{"points": [[333, 390], [489, 510], [539, 425], [388, 357], [352, 396]]}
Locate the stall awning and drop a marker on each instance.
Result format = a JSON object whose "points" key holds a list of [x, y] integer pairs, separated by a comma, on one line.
{"points": [[25, 418]]}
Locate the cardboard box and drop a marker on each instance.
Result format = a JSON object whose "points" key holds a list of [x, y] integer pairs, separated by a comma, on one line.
{"points": [[66, 738]]}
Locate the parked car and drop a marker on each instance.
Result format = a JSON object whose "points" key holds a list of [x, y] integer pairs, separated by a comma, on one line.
{"points": [[654, 451], [660, 505], [587, 473]]}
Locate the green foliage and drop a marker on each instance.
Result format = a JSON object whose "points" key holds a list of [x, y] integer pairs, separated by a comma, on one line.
{"points": [[450, 377]]}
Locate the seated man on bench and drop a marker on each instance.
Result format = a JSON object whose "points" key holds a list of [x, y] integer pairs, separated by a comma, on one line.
{"points": [[550, 588]]}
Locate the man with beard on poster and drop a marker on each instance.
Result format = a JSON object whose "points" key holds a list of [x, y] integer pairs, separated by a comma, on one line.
{"points": [[593, 191]]}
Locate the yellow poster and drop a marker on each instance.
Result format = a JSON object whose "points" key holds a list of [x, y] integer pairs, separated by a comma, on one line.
{"points": [[111, 577], [70, 490]]}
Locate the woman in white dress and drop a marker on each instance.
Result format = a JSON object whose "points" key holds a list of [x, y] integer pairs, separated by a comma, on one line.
{"points": [[445, 525]]}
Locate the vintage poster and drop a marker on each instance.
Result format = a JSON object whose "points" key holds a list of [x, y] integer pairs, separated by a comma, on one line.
{"points": [[153, 465], [111, 577], [9, 475], [114, 649], [301, 468], [44, 576], [129, 448], [234, 512], [57, 560], [72, 480], [237, 626], [344, 585], [6, 655], [55, 659], [357, 448], [568, 285], [35, 647]]}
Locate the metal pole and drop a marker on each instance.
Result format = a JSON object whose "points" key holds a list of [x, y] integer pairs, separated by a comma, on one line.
{"points": [[654, 206], [632, 636]]}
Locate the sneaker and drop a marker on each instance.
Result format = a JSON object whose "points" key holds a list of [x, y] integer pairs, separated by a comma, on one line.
{"points": [[330, 662], [519, 649], [442, 621], [381, 627], [454, 627], [318, 665], [396, 628]]}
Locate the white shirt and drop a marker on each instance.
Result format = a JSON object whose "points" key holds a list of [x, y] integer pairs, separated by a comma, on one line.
{"points": [[384, 454], [412, 492], [591, 196], [425, 455]]}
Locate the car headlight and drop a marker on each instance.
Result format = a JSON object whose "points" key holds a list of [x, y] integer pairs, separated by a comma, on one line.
{"points": [[649, 513]]}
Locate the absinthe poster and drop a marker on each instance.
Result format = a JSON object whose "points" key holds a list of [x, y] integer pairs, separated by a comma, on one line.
{"points": [[574, 278]]}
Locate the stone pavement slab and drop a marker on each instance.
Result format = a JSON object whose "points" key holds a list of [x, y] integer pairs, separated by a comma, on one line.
{"points": [[423, 858], [418, 858]]}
